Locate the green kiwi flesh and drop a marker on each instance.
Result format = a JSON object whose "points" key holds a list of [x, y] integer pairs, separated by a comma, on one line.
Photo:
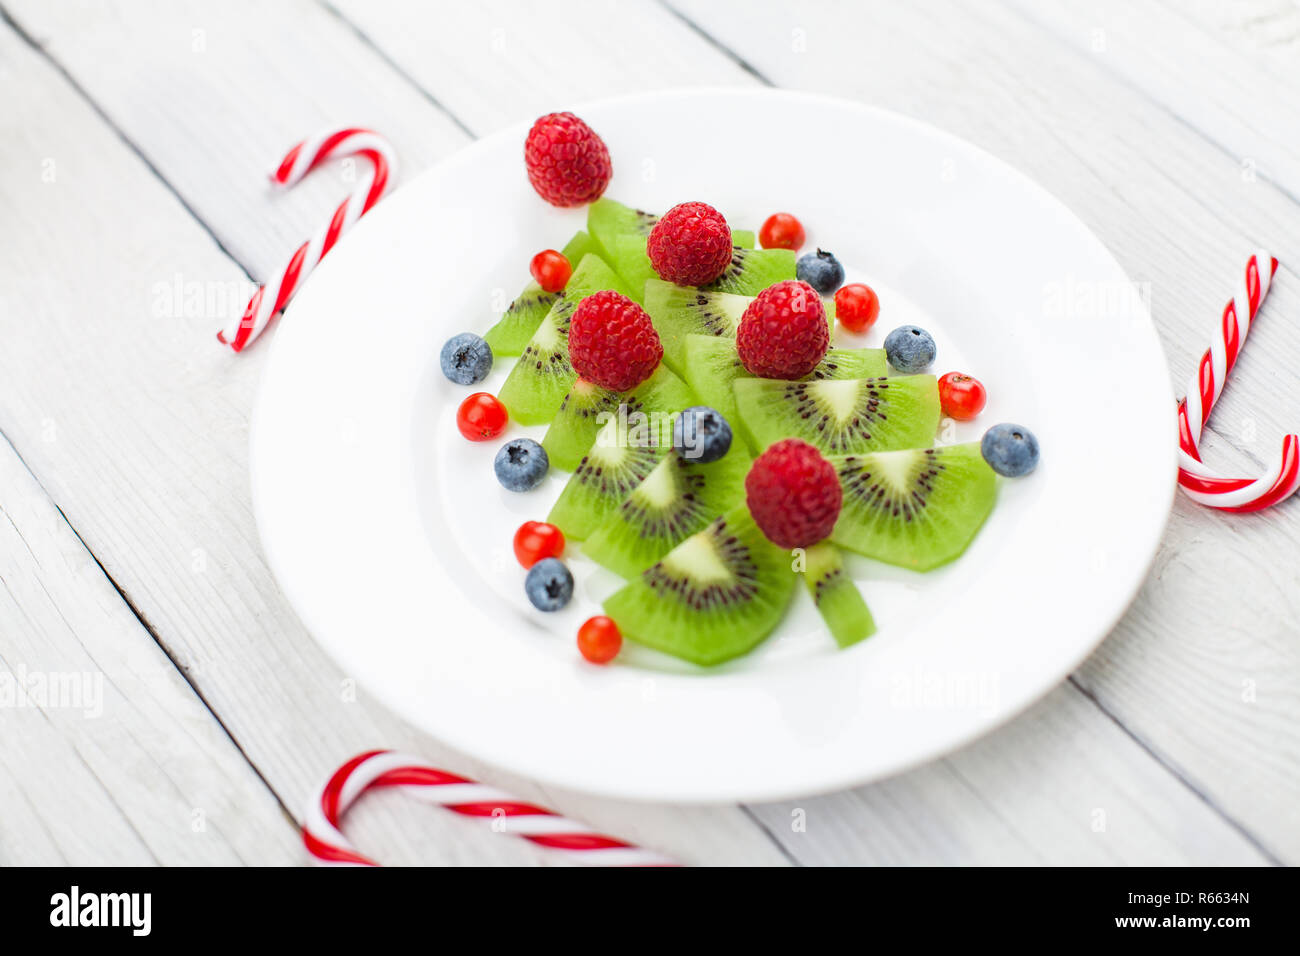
{"points": [[533, 390], [917, 509], [628, 257], [850, 363], [520, 320], [627, 254], [678, 498], [749, 272], [607, 218], [679, 311], [836, 596], [621, 232], [712, 365], [624, 452], [841, 416], [582, 409], [714, 597], [753, 270]]}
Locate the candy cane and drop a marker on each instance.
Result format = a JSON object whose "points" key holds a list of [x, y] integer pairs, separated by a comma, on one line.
{"points": [[384, 768], [1199, 482], [302, 159]]}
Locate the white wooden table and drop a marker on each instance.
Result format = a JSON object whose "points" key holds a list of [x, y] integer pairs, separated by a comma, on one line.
{"points": [[135, 215]]}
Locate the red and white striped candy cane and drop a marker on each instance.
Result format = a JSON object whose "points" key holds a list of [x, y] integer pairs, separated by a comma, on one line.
{"points": [[271, 298], [1201, 483], [384, 768]]}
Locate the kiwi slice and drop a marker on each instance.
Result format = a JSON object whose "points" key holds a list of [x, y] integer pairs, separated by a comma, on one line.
{"points": [[846, 416], [753, 270], [749, 272], [521, 319], [621, 232], [537, 384], [676, 500], [678, 311], [575, 425], [713, 597], [838, 599], [607, 218], [630, 260], [681, 311], [917, 509], [850, 363], [711, 365], [625, 451], [627, 254]]}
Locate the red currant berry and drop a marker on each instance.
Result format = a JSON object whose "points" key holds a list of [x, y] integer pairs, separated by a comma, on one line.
{"points": [[856, 306], [961, 396], [536, 540], [599, 640], [781, 231], [551, 270], [481, 417]]}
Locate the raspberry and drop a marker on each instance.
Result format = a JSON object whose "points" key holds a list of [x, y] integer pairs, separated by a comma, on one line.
{"points": [[690, 245], [612, 341], [568, 164], [793, 494], [783, 333]]}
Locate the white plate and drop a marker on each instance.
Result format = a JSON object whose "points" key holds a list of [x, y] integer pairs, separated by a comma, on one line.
{"points": [[391, 538]]}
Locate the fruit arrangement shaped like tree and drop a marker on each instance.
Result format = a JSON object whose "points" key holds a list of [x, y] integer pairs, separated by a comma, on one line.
{"points": [[811, 451]]}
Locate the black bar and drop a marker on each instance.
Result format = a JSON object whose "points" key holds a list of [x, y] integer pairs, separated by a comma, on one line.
{"points": [[875, 905]]}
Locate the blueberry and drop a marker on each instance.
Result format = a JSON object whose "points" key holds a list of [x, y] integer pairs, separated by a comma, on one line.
{"points": [[1010, 450], [521, 464], [549, 584], [701, 434], [909, 349], [466, 359], [821, 270]]}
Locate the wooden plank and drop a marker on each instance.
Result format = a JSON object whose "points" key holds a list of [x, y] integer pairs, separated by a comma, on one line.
{"points": [[1229, 70], [1056, 786], [702, 840], [526, 60], [1179, 216], [1203, 668], [109, 756], [141, 436], [213, 95]]}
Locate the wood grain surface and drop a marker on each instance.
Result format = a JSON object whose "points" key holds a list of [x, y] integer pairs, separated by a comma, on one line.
{"points": [[137, 215]]}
